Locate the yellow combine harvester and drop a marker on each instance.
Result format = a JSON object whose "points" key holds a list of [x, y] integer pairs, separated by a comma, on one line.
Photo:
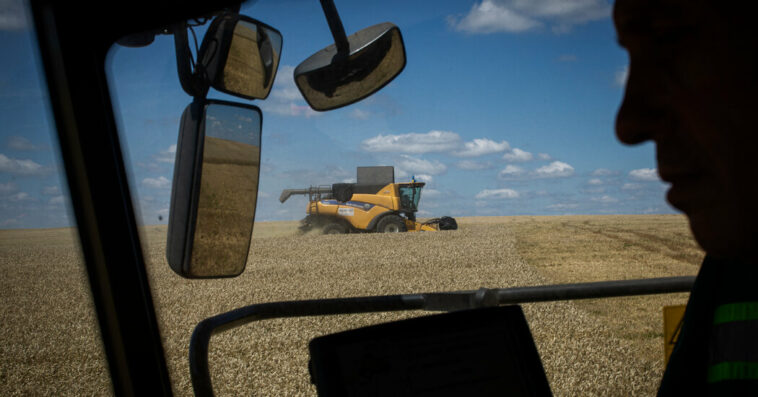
{"points": [[374, 204]]}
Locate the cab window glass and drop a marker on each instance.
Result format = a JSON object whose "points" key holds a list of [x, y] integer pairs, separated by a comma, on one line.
{"points": [[50, 337], [509, 123]]}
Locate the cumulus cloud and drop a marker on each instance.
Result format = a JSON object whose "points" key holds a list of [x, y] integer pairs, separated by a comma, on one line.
{"points": [[412, 166], [285, 98], [556, 169], [21, 167], [544, 156], [157, 183], [22, 144], [562, 206], [57, 200], [511, 171], [481, 147], [20, 196], [424, 178], [644, 174], [516, 16], [595, 181], [606, 199], [166, 156], [518, 155], [432, 141], [497, 194], [470, 165], [603, 172]]}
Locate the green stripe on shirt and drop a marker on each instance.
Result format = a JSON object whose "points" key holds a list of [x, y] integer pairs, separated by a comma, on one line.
{"points": [[731, 312], [733, 370]]}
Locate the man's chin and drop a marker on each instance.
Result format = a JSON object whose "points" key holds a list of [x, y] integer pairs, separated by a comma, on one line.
{"points": [[721, 238]]}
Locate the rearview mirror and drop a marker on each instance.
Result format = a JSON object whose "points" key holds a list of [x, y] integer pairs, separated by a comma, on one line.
{"points": [[241, 55], [214, 189], [329, 79]]}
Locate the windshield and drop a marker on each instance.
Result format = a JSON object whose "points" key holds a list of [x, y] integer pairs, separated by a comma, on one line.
{"points": [[409, 197], [504, 111]]}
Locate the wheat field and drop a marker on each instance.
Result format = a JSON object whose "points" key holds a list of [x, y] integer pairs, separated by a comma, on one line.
{"points": [[603, 347]]}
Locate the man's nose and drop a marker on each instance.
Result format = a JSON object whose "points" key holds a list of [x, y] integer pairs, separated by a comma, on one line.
{"points": [[642, 114]]}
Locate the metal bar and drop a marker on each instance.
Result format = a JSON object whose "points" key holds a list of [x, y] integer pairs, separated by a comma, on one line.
{"points": [[335, 25], [603, 289], [438, 301], [199, 370]]}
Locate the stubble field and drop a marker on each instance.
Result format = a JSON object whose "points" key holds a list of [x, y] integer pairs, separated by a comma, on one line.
{"points": [[50, 342]]}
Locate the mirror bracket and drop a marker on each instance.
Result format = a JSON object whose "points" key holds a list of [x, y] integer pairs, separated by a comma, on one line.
{"points": [[189, 77], [335, 25]]}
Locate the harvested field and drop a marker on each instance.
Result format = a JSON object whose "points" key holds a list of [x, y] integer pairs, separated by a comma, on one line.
{"points": [[598, 347]]}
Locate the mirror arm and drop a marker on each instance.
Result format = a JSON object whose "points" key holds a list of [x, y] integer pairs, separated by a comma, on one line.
{"points": [[335, 25], [191, 84]]}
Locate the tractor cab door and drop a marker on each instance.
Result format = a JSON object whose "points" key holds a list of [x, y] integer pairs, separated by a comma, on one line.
{"points": [[410, 194]]}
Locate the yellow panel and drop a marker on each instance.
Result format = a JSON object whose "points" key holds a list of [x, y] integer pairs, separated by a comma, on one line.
{"points": [[672, 325]]}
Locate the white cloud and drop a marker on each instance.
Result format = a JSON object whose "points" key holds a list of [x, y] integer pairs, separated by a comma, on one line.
{"points": [[606, 199], [20, 196], [511, 171], [359, 114], [482, 146], [621, 76], [515, 16], [167, 156], [562, 206], [544, 156], [644, 174], [424, 178], [413, 166], [285, 98], [556, 169], [603, 172], [284, 88], [21, 167], [432, 141], [470, 165], [497, 194], [57, 200], [595, 181], [12, 15], [7, 188], [158, 183], [518, 155], [631, 186], [22, 144], [290, 109], [489, 17]]}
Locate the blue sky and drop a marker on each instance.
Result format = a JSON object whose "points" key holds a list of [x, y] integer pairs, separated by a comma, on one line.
{"points": [[504, 108]]}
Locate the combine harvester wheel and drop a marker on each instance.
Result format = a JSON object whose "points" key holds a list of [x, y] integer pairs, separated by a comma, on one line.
{"points": [[391, 224]]}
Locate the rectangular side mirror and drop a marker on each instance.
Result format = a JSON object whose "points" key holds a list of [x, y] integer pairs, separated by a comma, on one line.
{"points": [[241, 55], [214, 189]]}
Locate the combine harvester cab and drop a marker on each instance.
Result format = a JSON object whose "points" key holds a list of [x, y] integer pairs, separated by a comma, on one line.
{"points": [[374, 204]]}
